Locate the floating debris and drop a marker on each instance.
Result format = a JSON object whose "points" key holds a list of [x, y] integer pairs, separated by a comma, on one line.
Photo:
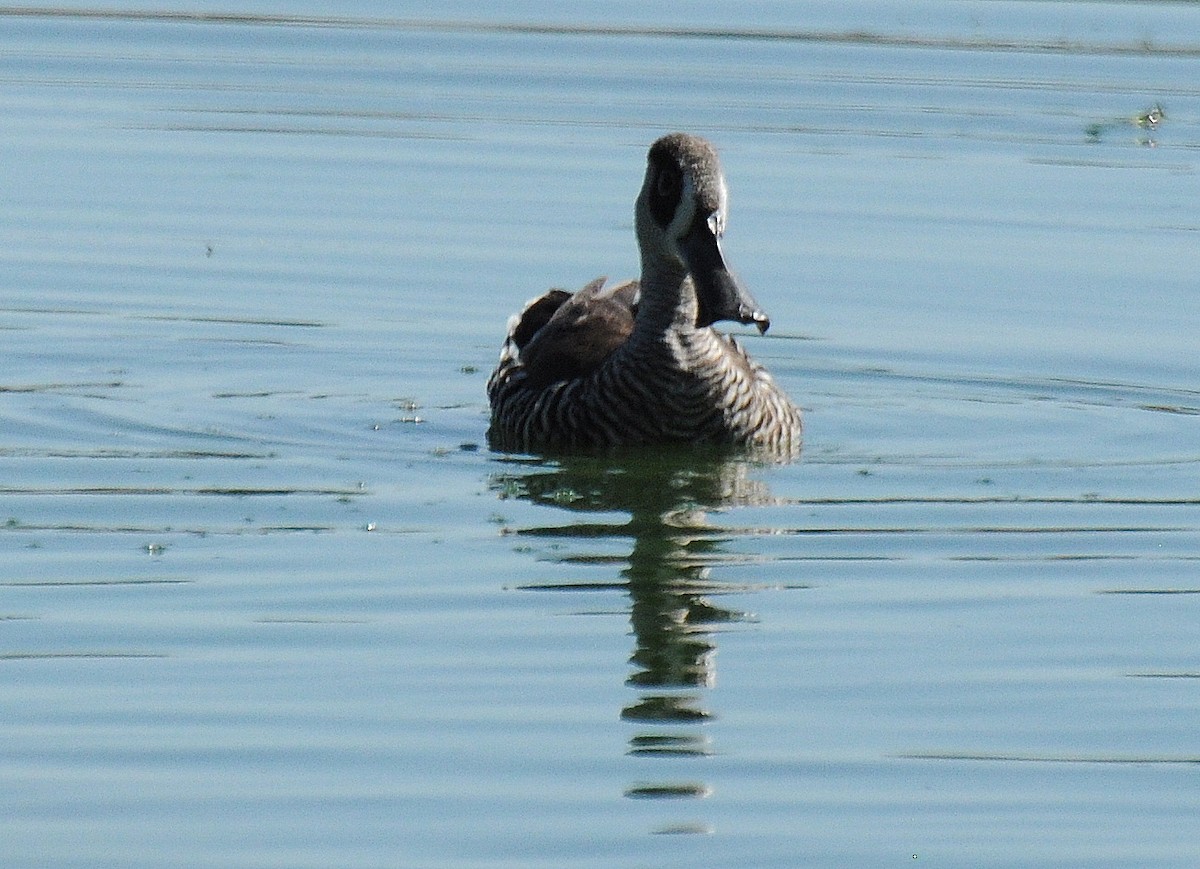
{"points": [[1147, 120]]}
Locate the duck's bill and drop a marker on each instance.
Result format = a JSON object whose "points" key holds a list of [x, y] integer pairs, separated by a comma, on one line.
{"points": [[719, 295]]}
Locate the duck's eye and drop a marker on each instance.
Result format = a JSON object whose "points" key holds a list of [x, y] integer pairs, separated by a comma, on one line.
{"points": [[668, 183], [664, 193]]}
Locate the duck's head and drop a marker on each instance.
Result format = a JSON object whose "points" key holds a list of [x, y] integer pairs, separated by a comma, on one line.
{"points": [[680, 220]]}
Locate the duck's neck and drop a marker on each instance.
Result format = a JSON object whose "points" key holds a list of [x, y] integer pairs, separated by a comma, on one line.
{"points": [[667, 303]]}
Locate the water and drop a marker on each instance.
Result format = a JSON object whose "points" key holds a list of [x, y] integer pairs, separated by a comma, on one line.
{"points": [[268, 600]]}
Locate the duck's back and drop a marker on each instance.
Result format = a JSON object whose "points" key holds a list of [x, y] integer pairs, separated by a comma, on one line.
{"points": [[570, 377]]}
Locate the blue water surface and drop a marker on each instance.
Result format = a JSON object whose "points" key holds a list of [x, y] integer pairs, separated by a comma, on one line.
{"points": [[268, 600]]}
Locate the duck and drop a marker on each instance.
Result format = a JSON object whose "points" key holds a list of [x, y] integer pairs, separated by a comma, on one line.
{"points": [[638, 362]]}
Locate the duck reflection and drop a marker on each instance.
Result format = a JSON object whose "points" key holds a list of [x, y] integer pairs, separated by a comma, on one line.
{"points": [[666, 573]]}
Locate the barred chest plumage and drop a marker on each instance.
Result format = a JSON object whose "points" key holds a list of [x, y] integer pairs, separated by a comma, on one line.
{"points": [[639, 362]]}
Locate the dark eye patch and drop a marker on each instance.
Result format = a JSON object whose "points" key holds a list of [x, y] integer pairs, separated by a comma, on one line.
{"points": [[665, 187]]}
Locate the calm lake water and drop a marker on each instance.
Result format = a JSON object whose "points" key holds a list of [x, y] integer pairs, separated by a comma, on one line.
{"points": [[268, 600]]}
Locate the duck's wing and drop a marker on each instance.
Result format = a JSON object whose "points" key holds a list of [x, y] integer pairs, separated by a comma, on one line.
{"points": [[537, 313], [581, 331]]}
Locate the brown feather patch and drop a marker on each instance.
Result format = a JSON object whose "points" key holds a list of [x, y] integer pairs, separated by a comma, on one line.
{"points": [[582, 332]]}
